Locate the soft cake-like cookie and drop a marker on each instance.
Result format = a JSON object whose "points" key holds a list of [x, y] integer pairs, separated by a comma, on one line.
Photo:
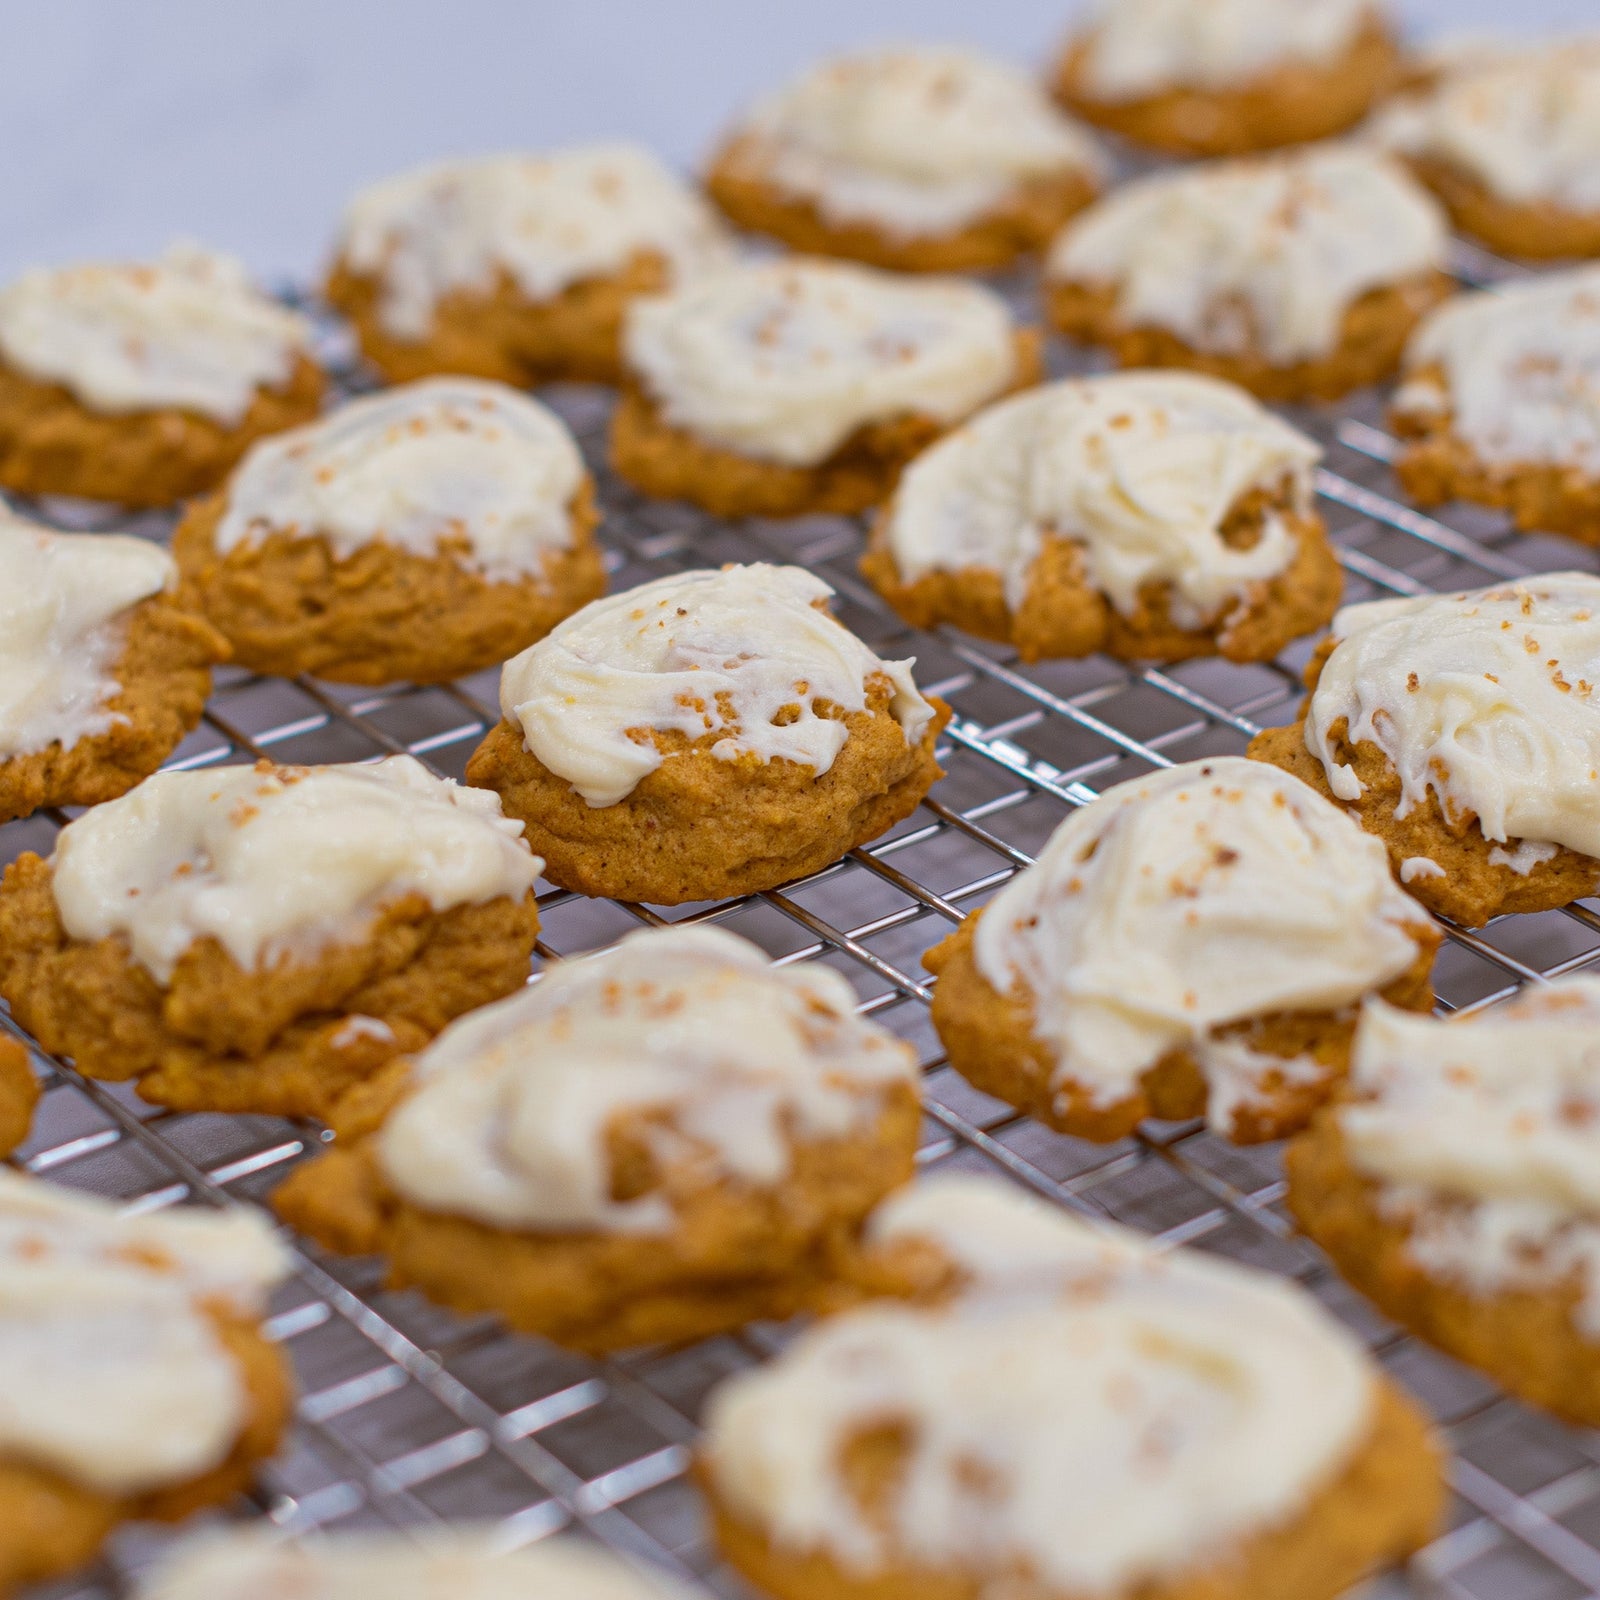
{"points": [[140, 1384], [19, 1094], [258, 939], [1191, 943], [1154, 515], [706, 735], [145, 383], [1298, 275], [421, 533], [1463, 730], [654, 1144], [1459, 1186], [923, 160], [1501, 403], [1228, 76], [1075, 1413], [516, 267], [104, 665], [778, 388]]}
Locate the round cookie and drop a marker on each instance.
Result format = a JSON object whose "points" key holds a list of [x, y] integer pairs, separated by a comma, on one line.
{"points": [[652, 1145], [19, 1094], [1501, 404], [517, 267], [259, 939], [1071, 1413], [104, 665], [422, 533], [1153, 515], [1463, 730], [781, 388], [143, 384], [150, 1390], [1299, 276], [1188, 944], [1456, 1186], [917, 159], [1230, 76], [706, 735]]}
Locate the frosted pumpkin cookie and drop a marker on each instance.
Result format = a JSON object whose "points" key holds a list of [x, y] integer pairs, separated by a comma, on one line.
{"points": [[921, 160], [651, 1145], [144, 384], [1229, 76], [1457, 1186], [1189, 944], [142, 1385], [779, 388], [1501, 404], [104, 665], [421, 533], [1299, 276], [19, 1094], [1463, 730], [1084, 1415], [706, 735], [259, 938], [516, 267], [1154, 515]]}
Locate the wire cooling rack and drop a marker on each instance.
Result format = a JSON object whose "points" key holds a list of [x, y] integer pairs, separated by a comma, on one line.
{"points": [[410, 1414]]}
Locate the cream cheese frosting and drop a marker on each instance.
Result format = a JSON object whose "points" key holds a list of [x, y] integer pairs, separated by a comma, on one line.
{"points": [[698, 652], [1483, 1133], [1174, 905], [1262, 255], [546, 221], [916, 141], [122, 1383], [509, 1122], [476, 466], [188, 331], [1135, 49], [1516, 369], [1140, 469], [1030, 1404], [1485, 698], [276, 862], [784, 360], [64, 600]]}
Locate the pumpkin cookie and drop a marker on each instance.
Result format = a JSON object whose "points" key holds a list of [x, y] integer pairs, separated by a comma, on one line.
{"points": [[422, 533], [1457, 1186], [780, 388], [1501, 404], [1230, 76], [1075, 1413], [1299, 276], [706, 735], [655, 1144], [920, 160], [144, 384], [1154, 515], [143, 1387], [104, 666], [1464, 731], [516, 267], [258, 939], [19, 1094], [1192, 943]]}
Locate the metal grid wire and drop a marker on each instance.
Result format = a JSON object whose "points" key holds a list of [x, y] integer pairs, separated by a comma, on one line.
{"points": [[410, 1414]]}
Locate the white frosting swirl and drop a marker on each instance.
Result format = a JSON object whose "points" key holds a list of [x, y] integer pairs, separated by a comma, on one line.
{"points": [[273, 861], [784, 360], [1138, 468], [1203, 895], [189, 331], [699, 652], [1264, 255], [1487, 698]]}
